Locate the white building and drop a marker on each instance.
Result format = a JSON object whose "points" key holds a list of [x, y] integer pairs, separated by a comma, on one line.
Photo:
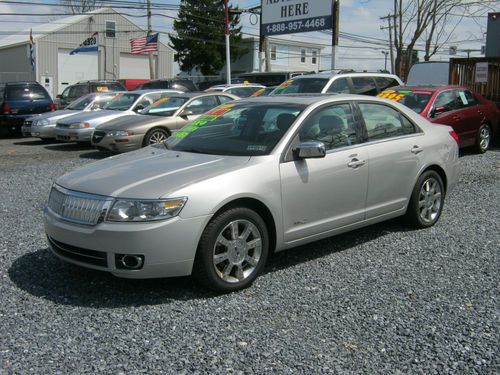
{"points": [[286, 56], [55, 68]]}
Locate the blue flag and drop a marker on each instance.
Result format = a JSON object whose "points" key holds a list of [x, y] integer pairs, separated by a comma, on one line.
{"points": [[88, 45]]}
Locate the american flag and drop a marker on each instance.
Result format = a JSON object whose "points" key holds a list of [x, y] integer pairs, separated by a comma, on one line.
{"points": [[144, 44], [32, 51]]}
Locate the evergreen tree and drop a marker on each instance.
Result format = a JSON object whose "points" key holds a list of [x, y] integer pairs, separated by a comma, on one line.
{"points": [[200, 39]]}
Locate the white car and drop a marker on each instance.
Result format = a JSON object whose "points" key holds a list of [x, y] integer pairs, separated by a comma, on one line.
{"points": [[242, 90]]}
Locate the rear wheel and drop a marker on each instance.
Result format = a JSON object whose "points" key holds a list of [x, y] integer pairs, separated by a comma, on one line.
{"points": [[427, 200], [155, 136], [483, 138], [232, 251]]}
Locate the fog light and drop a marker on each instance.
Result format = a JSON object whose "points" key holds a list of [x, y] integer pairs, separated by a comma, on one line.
{"points": [[129, 261]]}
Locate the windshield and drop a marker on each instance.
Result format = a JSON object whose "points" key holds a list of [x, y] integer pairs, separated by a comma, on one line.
{"points": [[121, 102], [413, 99], [81, 103], [238, 129], [301, 86], [164, 106]]}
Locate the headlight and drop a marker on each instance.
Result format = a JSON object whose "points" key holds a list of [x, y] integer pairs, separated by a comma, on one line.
{"points": [[79, 125], [145, 210], [120, 133], [42, 122]]}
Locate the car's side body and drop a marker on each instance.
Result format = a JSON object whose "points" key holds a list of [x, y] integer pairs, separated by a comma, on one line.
{"points": [[128, 132], [79, 127], [369, 177], [456, 106]]}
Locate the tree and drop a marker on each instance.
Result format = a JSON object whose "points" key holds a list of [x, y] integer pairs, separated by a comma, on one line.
{"points": [[430, 21], [200, 29], [80, 6]]}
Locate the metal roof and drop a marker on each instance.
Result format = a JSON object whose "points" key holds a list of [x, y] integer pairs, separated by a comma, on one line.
{"points": [[40, 31]]}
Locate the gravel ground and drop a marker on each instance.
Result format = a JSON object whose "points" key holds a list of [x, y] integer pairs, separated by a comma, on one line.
{"points": [[383, 299]]}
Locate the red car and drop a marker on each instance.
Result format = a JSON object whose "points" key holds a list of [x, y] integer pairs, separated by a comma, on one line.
{"points": [[474, 118]]}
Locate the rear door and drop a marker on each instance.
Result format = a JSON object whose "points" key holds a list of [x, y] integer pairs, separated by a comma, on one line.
{"points": [[394, 148], [27, 99], [471, 117]]}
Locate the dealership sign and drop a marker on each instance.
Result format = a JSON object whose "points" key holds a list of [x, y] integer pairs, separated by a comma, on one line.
{"points": [[295, 16]]}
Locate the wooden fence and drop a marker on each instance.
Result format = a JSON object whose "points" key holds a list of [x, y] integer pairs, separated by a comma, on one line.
{"points": [[463, 72]]}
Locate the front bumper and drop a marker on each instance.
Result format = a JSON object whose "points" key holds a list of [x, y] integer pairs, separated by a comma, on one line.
{"points": [[13, 122], [73, 135], [168, 246], [118, 143], [45, 131]]}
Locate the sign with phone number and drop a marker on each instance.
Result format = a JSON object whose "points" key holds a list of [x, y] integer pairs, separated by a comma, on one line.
{"points": [[298, 26]]}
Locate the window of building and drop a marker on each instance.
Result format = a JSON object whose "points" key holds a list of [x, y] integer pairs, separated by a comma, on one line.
{"points": [[303, 56], [273, 53], [110, 29], [314, 57]]}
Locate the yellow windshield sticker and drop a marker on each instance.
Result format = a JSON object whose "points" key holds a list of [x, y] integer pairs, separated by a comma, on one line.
{"points": [[160, 101], [204, 119], [392, 95], [102, 88]]}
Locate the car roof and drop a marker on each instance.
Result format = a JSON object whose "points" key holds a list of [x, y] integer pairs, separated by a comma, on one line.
{"points": [[306, 99], [329, 75], [18, 83], [431, 88], [232, 85], [150, 91]]}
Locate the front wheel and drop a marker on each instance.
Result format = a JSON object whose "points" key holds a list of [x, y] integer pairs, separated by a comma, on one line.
{"points": [[232, 251], [155, 136], [427, 200], [483, 138]]}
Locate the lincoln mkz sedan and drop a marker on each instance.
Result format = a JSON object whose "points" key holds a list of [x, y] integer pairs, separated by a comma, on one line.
{"points": [[248, 178]]}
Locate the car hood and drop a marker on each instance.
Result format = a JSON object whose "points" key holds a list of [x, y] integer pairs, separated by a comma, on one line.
{"points": [[133, 121], [92, 116], [56, 115], [148, 173]]}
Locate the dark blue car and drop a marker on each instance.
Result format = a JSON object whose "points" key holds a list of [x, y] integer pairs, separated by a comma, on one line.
{"points": [[20, 100]]}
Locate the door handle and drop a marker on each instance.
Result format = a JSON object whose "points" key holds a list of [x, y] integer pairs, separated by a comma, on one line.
{"points": [[456, 118], [416, 149], [355, 163]]}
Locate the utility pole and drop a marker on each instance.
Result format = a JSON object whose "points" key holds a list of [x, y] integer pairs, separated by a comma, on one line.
{"points": [[335, 30], [150, 54], [228, 51], [389, 17]]}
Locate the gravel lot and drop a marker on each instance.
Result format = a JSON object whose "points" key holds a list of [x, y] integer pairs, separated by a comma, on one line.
{"points": [[383, 299]]}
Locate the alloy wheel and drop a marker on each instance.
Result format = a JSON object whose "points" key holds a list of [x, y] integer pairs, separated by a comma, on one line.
{"points": [[430, 200], [484, 137], [237, 251], [157, 137]]}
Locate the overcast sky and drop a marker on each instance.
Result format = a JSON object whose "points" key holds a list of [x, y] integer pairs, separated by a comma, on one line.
{"points": [[357, 17]]}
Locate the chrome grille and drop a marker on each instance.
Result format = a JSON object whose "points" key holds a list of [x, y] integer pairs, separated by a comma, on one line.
{"points": [[77, 207]]}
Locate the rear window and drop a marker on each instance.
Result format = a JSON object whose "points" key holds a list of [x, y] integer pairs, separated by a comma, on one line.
{"points": [[154, 85], [413, 99], [104, 87], [301, 86], [26, 93]]}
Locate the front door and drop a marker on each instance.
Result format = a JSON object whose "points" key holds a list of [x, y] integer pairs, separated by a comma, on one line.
{"points": [[319, 195]]}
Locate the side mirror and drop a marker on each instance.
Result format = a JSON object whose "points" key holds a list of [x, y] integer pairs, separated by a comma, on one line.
{"points": [[59, 96], [138, 108], [186, 113], [436, 111], [310, 150]]}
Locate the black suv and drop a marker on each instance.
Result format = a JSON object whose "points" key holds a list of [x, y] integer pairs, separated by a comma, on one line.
{"points": [[185, 85], [79, 89], [20, 100]]}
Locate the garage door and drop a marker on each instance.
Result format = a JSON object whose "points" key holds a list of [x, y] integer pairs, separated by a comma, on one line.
{"points": [[74, 68], [135, 66]]}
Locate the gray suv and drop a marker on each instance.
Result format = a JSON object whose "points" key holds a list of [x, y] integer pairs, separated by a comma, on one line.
{"points": [[339, 82]]}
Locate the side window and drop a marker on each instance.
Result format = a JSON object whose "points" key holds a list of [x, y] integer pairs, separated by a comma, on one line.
{"points": [[333, 125], [77, 91], [65, 93], [224, 99], [339, 85], [364, 86], [384, 122], [242, 92], [385, 82], [202, 105], [447, 100], [466, 99]]}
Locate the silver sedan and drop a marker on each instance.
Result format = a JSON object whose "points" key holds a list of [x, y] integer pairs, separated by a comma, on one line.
{"points": [[249, 178]]}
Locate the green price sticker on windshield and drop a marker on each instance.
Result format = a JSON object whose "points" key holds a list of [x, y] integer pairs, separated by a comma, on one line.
{"points": [[210, 116]]}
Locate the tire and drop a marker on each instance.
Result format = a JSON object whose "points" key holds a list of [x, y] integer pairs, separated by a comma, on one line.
{"points": [[483, 138], [224, 262], [155, 136], [427, 200]]}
